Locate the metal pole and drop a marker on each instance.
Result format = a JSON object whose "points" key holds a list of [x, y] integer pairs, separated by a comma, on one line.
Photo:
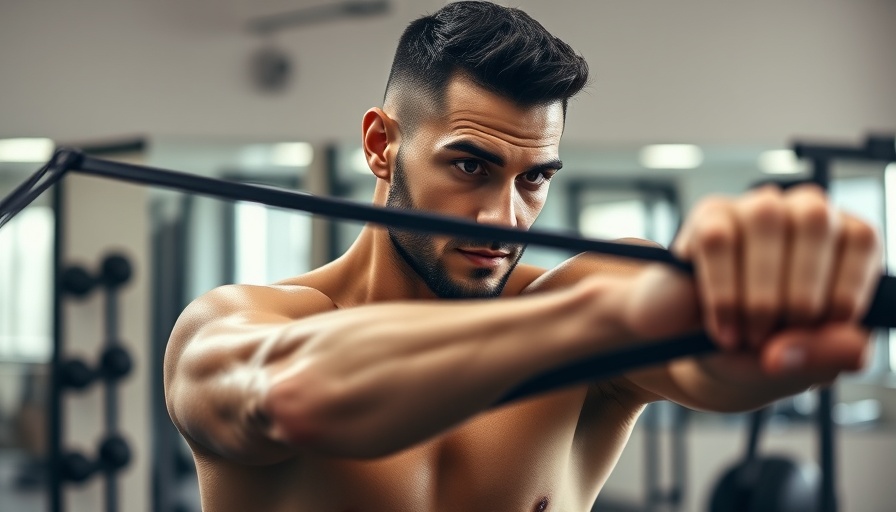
{"points": [[55, 430]]}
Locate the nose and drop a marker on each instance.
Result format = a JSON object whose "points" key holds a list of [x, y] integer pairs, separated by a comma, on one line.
{"points": [[499, 207]]}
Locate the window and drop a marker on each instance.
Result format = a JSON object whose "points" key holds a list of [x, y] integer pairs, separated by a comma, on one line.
{"points": [[26, 286]]}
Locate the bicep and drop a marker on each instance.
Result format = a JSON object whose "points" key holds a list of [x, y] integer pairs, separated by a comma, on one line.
{"points": [[214, 368]]}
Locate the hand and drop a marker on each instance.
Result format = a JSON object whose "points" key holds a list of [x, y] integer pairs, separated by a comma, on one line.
{"points": [[780, 274]]}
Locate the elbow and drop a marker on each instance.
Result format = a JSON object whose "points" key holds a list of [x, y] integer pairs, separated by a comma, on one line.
{"points": [[314, 413], [292, 413]]}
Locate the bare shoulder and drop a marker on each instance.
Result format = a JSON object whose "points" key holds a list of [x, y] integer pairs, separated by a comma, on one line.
{"points": [[583, 265], [523, 275], [210, 368], [240, 304], [289, 301]]}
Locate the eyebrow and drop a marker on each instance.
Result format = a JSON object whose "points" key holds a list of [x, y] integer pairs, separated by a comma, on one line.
{"points": [[488, 156]]}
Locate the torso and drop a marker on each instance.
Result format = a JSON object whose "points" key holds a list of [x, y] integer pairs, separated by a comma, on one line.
{"points": [[551, 453]]}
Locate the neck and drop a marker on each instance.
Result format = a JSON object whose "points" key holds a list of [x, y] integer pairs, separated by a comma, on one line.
{"points": [[374, 272]]}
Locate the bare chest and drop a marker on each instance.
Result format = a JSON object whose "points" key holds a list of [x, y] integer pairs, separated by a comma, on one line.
{"points": [[516, 459]]}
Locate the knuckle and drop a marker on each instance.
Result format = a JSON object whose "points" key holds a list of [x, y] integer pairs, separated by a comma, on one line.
{"points": [[713, 202], [710, 206], [807, 190], [764, 210], [862, 236], [715, 235], [813, 217]]}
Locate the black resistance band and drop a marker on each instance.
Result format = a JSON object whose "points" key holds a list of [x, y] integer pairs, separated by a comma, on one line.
{"points": [[882, 312]]}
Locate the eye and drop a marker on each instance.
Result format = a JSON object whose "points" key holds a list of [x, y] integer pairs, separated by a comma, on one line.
{"points": [[536, 177], [469, 167]]}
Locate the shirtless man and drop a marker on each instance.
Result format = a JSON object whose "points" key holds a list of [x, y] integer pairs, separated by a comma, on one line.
{"points": [[352, 388]]}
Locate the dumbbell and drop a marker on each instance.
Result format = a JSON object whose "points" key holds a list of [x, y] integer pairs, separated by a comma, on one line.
{"points": [[115, 271], [114, 454], [115, 364]]}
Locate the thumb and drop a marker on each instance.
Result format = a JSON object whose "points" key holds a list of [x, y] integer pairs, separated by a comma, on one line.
{"points": [[830, 348]]}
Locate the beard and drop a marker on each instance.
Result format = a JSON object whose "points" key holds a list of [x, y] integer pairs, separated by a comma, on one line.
{"points": [[419, 253]]}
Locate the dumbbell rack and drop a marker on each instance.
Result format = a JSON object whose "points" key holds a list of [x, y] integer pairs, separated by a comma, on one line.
{"points": [[113, 453]]}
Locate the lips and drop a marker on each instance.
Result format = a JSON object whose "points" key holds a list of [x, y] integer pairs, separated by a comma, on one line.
{"points": [[484, 257], [485, 253]]}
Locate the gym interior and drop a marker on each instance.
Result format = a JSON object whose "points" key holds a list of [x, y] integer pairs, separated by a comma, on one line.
{"points": [[687, 99]]}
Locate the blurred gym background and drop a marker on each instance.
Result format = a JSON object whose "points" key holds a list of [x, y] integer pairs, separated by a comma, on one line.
{"points": [[688, 98]]}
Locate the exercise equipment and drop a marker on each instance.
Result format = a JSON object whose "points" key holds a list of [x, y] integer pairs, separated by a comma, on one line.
{"points": [[114, 364], [768, 483], [113, 454], [70, 160], [115, 271], [880, 313]]}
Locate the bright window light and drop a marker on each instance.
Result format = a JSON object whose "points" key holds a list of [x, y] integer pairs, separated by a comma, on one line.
{"points": [[671, 156], [780, 161], [618, 219], [251, 244], [890, 240], [26, 150], [292, 154], [281, 154]]}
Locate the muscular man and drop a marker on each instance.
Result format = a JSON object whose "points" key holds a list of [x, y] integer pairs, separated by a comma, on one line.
{"points": [[359, 387]]}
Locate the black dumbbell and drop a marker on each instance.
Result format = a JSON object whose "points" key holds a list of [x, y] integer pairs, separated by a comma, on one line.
{"points": [[75, 280], [76, 467], [115, 270], [115, 363], [114, 455], [76, 374]]}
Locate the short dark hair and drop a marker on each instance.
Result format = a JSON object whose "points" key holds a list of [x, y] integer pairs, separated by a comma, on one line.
{"points": [[502, 49]]}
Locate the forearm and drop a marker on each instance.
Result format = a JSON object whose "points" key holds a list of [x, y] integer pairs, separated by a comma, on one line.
{"points": [[700, 384], [372, 380]]}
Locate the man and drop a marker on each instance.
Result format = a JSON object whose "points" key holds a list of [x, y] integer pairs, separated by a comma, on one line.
{"points": [[351, 388]]}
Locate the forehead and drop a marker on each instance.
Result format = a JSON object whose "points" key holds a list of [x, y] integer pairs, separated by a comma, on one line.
{"points": [[469, 109]]}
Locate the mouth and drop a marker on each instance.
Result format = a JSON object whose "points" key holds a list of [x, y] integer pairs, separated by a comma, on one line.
{"points": [[484, 257]]}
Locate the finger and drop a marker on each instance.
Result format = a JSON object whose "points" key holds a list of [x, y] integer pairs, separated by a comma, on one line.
{"points": [[819, 352], [763, 220], [716, 251], [810, 262], [681, 245], [857, 270]]}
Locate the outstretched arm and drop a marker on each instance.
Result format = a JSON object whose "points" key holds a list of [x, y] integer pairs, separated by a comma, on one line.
{"points": [[782, 281], [260, 374]]}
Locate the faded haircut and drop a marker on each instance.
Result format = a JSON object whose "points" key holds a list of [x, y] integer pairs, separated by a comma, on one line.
{"points": [[501, 49]]}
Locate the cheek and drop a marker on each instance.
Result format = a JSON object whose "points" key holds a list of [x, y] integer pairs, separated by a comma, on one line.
{"points": [[530, 206]]}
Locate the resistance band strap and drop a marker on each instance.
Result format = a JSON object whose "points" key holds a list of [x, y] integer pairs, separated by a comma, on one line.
{"points": [[882, 312]]}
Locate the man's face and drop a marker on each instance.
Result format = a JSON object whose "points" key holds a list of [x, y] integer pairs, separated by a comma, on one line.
{"points": [[482, 158]]}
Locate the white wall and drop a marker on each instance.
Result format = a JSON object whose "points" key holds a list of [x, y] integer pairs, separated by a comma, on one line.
{"points": [[689, 70]]}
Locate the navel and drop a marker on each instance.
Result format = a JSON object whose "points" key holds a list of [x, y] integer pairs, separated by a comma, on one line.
{"points": [[542, 505]]}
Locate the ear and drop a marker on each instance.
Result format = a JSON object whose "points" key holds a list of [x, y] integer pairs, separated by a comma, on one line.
{"points": [[380, 139]]}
